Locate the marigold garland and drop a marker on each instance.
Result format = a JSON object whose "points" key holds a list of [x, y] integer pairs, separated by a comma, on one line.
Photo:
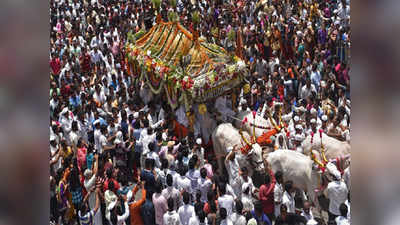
{"points": [[202, 109]]}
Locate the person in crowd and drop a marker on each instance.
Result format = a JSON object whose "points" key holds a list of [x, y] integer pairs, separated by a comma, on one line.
{"points": [[186, 211], [171, 217]]}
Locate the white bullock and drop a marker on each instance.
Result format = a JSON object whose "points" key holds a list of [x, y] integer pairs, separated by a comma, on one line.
{"points": [[299, 168], [333, 148], [224, 136]]}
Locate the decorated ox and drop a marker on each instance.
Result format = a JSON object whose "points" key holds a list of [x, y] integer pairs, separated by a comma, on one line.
{"points": [[225, 135], [300, 169], [334, 150]]}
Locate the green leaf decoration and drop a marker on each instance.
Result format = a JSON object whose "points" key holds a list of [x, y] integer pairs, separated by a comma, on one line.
{"points": [[172, 3], [196, 17], [232, 35], [156, 4]]}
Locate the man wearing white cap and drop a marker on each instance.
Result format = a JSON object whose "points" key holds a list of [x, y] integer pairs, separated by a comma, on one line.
{"points": [[65, 122], [232, 166], [199, 151], [313, 126], [298, 138], [292, 139], [324, 123], [336, 192]]}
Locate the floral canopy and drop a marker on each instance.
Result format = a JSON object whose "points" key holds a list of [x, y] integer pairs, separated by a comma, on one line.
{"points": [[157, 55]]}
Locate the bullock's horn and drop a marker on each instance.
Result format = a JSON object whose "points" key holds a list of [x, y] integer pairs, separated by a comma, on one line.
{"points": [[244, 139], [317, 161]]}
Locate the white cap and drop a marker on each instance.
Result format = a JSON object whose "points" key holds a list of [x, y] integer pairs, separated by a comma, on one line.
{"points": [[65, 110], [198, 141], [286, 117], [117, 141], [119, 135], [296, 118], [229, 149], [313, 111], [298, 126], [298, 137], [136, 115], [336, 174], [313, 120], [324, 117], [96, 122]]}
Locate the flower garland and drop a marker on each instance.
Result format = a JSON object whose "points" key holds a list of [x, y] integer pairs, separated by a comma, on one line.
{"points": [[313, 157], [273, 122], [155, 91], [246, 88], [172, 103], [254, 128], [244, 149], [322, 147], [202, 109]]}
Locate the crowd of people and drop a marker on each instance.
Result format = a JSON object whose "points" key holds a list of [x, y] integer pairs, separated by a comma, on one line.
{"points": [[116, 153]]}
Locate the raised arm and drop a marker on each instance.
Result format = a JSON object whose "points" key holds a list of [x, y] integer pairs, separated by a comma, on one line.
{"points": [[96, 164], [97, 205]]}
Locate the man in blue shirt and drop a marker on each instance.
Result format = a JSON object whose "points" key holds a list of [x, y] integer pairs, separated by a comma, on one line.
{"points": [[74, 100], [148, 176], [259, 215], [147, 209]]}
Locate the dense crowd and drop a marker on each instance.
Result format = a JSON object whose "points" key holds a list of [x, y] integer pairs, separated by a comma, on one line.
{"points": [[117, 155]]}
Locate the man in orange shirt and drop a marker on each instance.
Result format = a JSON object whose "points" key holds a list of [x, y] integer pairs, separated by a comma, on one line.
{"points": [[134, 207]]}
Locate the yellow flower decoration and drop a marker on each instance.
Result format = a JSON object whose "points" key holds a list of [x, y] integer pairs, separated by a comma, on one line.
{"points": [[246, 88], [202, 109]]}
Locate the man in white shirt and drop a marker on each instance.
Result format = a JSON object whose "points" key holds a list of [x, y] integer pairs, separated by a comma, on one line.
{"points": [[171, 192], [183, 183], [171, 217], [307, 213], [278, 192], [237, 218], [346, 178], [307, 89], [96, 55], [103, 141], [186, 211], [223, 214], [224, 200], [287, 198], [232, 166], [193, 174], [204, 184], [337, 194], [244, 179], [342, 219]]}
